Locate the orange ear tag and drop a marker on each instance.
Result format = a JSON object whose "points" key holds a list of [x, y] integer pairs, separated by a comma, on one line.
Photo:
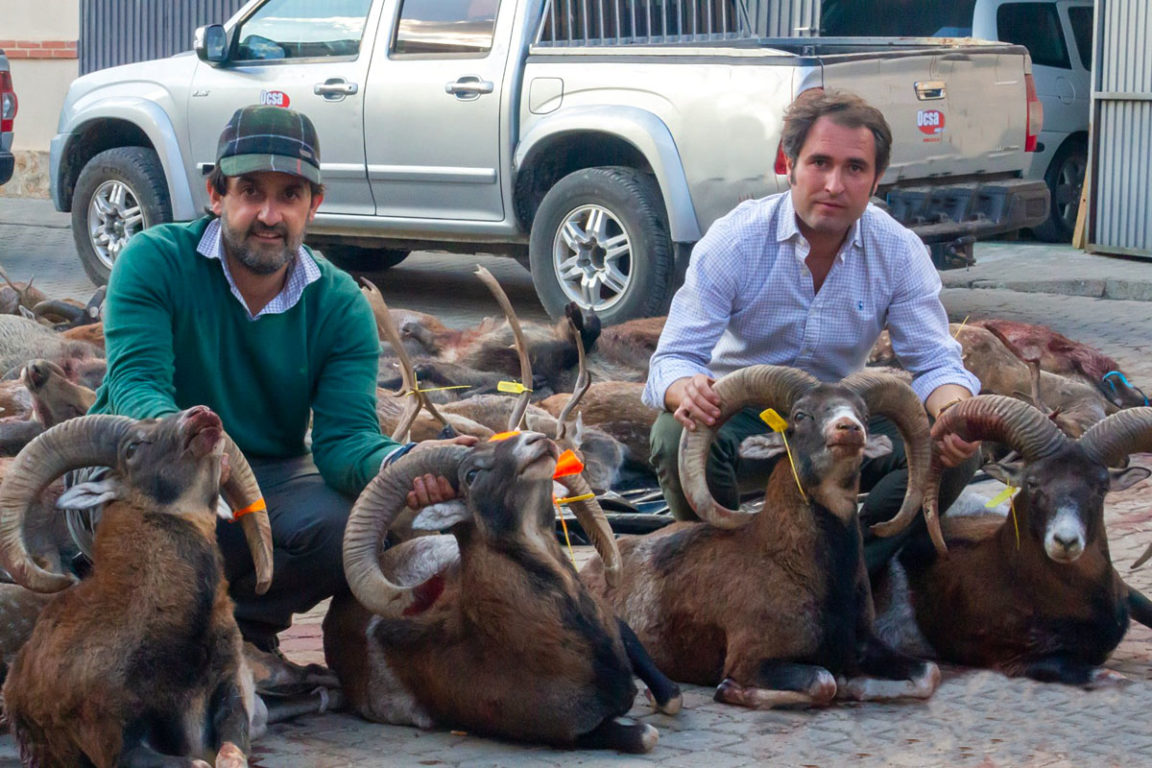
{"points": [[503, 436], [567, 465]]}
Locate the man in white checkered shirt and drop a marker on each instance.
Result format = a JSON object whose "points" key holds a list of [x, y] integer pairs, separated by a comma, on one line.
{"points": [[807, 278]]}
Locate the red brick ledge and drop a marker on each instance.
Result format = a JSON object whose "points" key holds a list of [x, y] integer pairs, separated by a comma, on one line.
{"points": [[39, 49]]}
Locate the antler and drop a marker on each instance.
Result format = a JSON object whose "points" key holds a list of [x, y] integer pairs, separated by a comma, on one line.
{"points": [[583, 379], [387, 329], [516, 419]]}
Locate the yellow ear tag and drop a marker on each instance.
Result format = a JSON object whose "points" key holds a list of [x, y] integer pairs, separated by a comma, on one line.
{"points": [[777, 424], [1001, 497], [511, 387], [503, 436], [1007, 493], [568, 465], [773, 420]]}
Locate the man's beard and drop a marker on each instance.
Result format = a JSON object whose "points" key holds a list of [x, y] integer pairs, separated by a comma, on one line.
{"points": [[262, 261]]}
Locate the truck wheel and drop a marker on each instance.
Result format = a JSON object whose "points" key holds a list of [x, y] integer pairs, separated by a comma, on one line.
{"points": [[353, 258], [119, 193], [600, 239], [1065, 180]]}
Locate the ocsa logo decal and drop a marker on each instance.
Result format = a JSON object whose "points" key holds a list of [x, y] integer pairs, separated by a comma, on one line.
{"points": [[930, 121], [274, 98]]}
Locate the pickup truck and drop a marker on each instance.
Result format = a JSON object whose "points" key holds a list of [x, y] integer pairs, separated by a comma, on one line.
{"points": [[593, 140], [8, 107], [1058, 36]]}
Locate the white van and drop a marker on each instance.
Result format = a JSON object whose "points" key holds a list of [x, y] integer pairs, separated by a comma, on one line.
{"points": [[1058, 35]]}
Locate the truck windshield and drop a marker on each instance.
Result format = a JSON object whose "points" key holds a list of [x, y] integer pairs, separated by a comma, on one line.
{"points": [[896, 18]]}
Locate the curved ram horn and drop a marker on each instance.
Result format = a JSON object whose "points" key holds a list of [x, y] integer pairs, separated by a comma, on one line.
{"points": [[387, 329], [892, 398], [59, 308], [772, 386], [241, 492], [1001, 419], [516, 419], [595, 524], [1111, 440], [373, 514], [86, 441]]}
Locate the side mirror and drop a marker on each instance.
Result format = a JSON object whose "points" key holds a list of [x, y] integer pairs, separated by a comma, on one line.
{"points": [[211, 44]]}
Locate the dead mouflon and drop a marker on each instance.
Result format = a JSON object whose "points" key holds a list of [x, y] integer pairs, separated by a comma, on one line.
{"points": [[141, 662], [774, 608], [488, 629]]}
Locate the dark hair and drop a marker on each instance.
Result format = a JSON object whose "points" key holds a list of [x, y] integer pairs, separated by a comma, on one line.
{"points": [[846, 110], [219, 182]]}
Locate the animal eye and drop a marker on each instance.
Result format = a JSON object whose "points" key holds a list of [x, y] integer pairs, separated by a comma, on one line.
{"points": [[130, 450], [799, 416], [470, 475]]}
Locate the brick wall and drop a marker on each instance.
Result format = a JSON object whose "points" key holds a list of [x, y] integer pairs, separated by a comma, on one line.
{"points": [[39, 49]]}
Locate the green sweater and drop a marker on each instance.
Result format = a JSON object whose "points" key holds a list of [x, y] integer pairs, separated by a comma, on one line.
{"points": [[177, 337]]}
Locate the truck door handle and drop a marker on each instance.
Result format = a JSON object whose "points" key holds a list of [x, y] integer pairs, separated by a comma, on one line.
{"points": [[930, 90], [335, 88], [469, 86]]}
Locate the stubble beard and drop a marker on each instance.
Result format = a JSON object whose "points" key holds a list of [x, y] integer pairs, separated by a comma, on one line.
{"points": [[261, 261]]}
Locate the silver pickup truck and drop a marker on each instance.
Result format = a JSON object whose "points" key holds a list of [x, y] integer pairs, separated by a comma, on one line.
{"points": [[593, 140]]}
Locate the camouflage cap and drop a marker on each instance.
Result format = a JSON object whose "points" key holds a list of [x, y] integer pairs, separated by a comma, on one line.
{"points": [[264, 138]]}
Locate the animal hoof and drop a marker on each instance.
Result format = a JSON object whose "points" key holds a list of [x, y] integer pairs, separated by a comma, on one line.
{"points": [[649, 738], [670, 707], [230, 756], [1107, 678]]}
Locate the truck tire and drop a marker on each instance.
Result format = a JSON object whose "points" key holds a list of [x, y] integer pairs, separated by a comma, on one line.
{"points": [[354, 258], [119, 193], [600, 238], [1065, 180]]}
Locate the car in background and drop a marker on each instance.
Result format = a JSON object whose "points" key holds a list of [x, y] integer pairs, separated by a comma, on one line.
{"points": [[8, 107], [1058, 36]]}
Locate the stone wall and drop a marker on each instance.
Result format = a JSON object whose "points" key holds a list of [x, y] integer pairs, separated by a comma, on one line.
{"points": [[30, 179]]}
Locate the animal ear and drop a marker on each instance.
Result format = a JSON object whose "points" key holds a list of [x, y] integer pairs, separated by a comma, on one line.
{"points": [[877, 445], [1007, 472], [442, 516], [762, 446], [223, 510], [1126, 478], [90, 494]]}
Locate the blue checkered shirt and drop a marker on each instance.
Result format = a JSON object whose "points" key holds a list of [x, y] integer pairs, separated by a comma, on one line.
{"points": [[301, 273], [748, 299]]}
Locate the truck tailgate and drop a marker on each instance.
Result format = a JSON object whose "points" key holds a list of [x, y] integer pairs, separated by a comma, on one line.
{"points": [[952, 113]]}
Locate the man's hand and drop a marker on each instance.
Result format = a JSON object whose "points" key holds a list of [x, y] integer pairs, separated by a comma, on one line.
{"points": [[433, 489], [952, 450], [693, 401]]}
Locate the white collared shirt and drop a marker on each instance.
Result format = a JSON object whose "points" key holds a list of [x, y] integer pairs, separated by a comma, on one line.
{"points": [[748, 299], [302, 272]]}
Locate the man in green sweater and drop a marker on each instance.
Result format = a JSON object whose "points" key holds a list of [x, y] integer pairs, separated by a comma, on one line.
{"points": [[232, 311]]}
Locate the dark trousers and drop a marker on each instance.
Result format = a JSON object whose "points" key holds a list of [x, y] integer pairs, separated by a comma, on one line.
{"points": [[308, 520], [884, 478]]}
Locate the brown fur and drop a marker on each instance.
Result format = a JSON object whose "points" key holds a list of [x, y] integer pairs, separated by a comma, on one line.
{"points": [[92, 334], [624, 350], [739, 619], [1074, 405], [1056, 352], [615, 407], [72, 684], [513, 645]]}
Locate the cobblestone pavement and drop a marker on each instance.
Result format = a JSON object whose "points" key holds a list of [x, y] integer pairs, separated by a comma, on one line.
{"points": [[977, 718]]}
